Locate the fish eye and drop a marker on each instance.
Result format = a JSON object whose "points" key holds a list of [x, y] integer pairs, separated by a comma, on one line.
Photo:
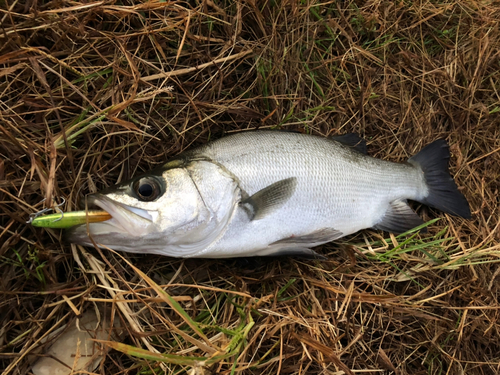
{"points": [[147, 189]]}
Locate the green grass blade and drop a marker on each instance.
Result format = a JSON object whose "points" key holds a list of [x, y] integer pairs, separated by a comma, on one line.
{"points": [[175, 306]]}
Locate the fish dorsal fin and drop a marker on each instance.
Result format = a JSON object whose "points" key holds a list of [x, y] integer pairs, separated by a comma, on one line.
{"points": [[320, 236], [269, 199], [352, 140], [399, 218]]}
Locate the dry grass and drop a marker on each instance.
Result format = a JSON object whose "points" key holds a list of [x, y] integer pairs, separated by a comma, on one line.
{"points": [[92, 93]]}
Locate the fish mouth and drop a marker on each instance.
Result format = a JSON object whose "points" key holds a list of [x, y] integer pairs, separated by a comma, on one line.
{"points": [[126, 221]]}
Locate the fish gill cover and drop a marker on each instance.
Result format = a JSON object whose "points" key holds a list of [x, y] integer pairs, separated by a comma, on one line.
{"points": [[93, 93]]}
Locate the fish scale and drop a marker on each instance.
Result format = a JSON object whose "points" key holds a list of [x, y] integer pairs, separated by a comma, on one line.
{"points": [[336, 187]]}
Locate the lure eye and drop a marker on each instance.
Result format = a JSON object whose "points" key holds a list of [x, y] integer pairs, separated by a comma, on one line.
{"points": [[147, 189]]}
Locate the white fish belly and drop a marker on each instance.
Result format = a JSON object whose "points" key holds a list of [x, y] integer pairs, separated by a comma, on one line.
{"points": [[337, 188]]}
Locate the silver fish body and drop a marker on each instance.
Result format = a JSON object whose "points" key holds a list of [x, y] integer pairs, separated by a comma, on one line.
{"points": [[269, 193]]}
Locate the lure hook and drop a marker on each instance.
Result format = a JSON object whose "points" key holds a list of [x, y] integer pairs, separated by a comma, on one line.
{"points": [[44, 211]]}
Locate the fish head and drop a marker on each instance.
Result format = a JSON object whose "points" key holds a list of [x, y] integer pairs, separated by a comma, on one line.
{"points": [[175, 211]]}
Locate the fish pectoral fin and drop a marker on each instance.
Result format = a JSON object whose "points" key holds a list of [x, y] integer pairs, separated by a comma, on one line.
{"points": [[295, 251], [320, 236], [399, 218], [352, 140], [269, 199]]}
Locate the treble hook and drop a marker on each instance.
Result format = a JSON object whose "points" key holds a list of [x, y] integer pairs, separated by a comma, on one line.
{"points": [[44, 211]]}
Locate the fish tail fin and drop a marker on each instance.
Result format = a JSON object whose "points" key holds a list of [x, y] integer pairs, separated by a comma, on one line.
{"points": [[443, 192]]}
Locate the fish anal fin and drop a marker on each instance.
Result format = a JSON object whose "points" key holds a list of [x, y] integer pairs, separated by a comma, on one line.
{"points": [[352, 140], [269, 199], [399, 218], [320, 236]]}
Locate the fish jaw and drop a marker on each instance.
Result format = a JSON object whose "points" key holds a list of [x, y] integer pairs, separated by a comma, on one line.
{"points": [[127, 223]]}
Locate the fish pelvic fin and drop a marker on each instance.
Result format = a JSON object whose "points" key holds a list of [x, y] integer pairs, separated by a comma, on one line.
{"points": [[294, 251], [399, 218], [443, 192], [320, 236], [269, 199]]}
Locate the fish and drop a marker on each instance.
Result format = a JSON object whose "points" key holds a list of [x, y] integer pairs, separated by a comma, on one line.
{"points": [[269, 193]]}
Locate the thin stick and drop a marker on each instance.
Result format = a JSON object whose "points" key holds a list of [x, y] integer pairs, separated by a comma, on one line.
{"points": [[193, 69]]}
